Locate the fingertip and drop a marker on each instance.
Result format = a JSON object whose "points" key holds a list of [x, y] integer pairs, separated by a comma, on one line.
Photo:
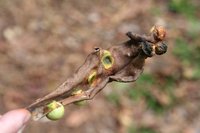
{"points": [[13, 120], [24, 113]]}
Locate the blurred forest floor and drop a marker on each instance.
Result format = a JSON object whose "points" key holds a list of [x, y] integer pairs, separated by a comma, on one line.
{"points": [[42, 42]]}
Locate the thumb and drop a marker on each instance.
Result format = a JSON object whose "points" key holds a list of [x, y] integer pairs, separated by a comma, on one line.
{"points": [[12, 121]]}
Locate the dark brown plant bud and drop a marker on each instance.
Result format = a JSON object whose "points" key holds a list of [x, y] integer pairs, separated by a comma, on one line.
{"points": [[160, 48], [147, 48]]}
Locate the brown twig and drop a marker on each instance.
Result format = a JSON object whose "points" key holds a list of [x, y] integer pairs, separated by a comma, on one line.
{"points": [[121, 63]]}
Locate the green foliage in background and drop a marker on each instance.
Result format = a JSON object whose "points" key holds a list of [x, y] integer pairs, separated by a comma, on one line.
{"points": [[141, 86], [119, 89], [141, 130], [113, 98], [185, 7], [142, 89], [189, 55]]}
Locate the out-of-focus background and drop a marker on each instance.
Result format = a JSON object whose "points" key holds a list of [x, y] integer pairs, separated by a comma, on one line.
{"points": [[42, 42]]}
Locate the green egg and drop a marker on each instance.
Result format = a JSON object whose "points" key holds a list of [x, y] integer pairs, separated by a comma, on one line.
{"points": [[77, 91], [81, 103], [92, 77], [107, 59], [57, 112]]}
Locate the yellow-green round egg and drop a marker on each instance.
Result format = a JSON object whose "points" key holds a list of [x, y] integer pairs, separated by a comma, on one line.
{"points": [[57, 112]]}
